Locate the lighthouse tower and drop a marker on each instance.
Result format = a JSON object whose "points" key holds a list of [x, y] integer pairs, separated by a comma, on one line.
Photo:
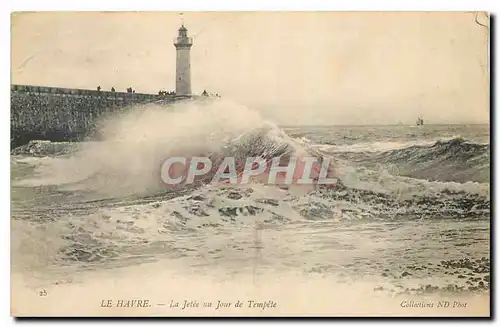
{"points": [[183, 45]]}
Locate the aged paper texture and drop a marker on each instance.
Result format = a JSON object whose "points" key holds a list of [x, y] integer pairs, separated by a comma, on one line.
{"points": [[250, 164]]}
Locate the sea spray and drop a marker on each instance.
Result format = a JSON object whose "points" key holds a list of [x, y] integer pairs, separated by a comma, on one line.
{"points": [[134, 144], [362, 226]]}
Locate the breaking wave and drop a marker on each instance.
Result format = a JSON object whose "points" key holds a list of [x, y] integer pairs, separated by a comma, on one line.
{"points": [[456, 160], [108, 200], [128, 159], [135, 230]]}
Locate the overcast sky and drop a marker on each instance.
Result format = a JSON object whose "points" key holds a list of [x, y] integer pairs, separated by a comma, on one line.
{"points": [[296, 68]]}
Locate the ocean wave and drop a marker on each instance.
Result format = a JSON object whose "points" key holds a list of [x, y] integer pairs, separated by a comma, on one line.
{"points": [[456, 160], [42, 148], [136, 231], [370, 147], [141, 227], [128, 159], [106, 201]]}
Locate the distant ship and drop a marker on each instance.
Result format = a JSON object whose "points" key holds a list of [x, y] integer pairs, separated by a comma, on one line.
{"points": [[420, 121]]}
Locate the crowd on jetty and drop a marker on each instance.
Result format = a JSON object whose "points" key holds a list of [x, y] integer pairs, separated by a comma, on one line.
{"points": [[131, 90], [165, 93], [207, 94]]}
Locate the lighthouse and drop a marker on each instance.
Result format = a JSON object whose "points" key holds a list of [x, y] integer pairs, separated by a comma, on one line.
{"points": [[183, 45]]}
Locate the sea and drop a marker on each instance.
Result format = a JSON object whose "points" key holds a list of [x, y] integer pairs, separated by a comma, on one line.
{"points": [[404, 231]]}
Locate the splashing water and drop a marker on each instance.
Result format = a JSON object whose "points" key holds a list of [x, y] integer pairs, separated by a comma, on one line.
{"points": [[103, 204], [134, 145]]}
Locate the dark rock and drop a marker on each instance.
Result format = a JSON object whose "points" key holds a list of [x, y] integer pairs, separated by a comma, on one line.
{"points": [[234, 196]]}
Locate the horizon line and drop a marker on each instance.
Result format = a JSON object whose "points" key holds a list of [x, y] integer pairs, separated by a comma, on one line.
{"points": [[364, 125]]}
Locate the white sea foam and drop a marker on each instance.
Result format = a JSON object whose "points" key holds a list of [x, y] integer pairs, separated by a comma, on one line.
{"points": [[374, 146], [128, 159]]}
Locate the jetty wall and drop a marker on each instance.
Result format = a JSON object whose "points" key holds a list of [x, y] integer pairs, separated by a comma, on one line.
{"points": [[64, 114]]}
